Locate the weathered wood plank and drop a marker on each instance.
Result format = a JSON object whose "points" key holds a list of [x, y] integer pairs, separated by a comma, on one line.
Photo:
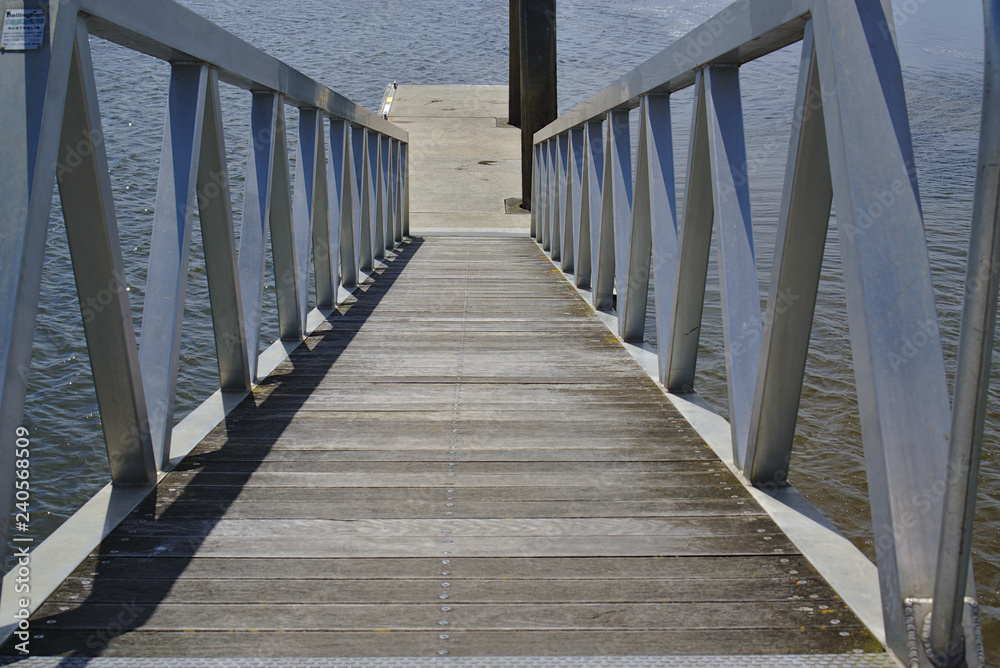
{"points": [[597, 568], [494, 591], [390, 642], [380, 508], [705, 526], [338, 617], [392, 546]]}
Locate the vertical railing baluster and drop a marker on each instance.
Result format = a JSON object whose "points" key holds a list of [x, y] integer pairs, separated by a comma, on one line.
{"points": [[581, 207], [218, 236], [559, 213], [366, 257], [32, 110], [536, 175], [543, 192], [741, 316], [370, 216], [403, 149], [166, 279], [616, 211], [256, 208], [384, 208], [663, 218], [571, 261], [551, 204], [325, 221], [378, 202], [595, 170], [972, 378], [694, 242], [397, 209], [362, 201], [286, 284], [340, 219], [566, 239], [308, 213], [543, 187], [902, 386], [632, 301], [798, 260], [92, 233]]}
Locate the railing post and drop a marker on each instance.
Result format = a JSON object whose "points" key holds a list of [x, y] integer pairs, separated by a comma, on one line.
{"points": [[32, 107], [663, 218], [405, 171], [551, 199], [616, 212], [694, 243], [166, 280], [374, 218], [895, 343], [581, 207], [653, 225], [559, 202], [361, 201], [339, 224], [544, 198], [594, 174], [369, 154], [538, 79], [397, 191], [536, 194], [566, 240], [741, 321], [949, 642], [384, 208], [283, 253], [92, 233], [309, 213], [215, 208], [798, 260], [256, 208], [325, 214]]}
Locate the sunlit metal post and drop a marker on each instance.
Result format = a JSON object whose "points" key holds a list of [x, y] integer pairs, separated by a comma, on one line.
{"points": [[975, 348]]}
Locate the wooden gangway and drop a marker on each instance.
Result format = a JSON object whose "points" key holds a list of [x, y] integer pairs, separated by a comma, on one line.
{"points": [[460, 452], [448, 466]]}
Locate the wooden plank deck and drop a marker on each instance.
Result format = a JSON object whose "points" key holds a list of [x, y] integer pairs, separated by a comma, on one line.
{"points": [[462, 461]]}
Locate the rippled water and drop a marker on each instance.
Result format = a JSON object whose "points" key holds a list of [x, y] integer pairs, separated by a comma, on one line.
{"points": [[358, 47]]}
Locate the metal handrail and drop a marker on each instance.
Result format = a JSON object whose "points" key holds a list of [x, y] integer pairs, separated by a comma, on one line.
{"points": [[850, 140], [171, 32], [348, 211]]}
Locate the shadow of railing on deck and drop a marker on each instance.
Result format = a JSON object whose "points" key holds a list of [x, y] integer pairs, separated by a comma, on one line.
{"points": [[128, 596]]}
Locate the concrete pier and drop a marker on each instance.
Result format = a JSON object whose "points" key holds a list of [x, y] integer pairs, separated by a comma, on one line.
{"points": [[465, 160]]}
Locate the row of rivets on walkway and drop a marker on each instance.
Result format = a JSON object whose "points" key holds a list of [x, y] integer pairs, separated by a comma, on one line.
{"points": [[447, 536]]}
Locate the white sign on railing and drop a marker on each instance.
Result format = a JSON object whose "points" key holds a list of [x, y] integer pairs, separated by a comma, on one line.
{"points": [[23, 29]]}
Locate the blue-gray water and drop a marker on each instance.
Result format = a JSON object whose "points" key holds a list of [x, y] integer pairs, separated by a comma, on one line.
{"points": [[357, 47]]}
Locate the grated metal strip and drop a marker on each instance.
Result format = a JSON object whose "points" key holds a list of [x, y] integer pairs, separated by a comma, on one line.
{"points": [[734, 661]]}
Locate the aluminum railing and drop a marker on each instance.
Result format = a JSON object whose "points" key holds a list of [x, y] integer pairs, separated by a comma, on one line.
{"points": [[850, 140], [350, 206]]}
